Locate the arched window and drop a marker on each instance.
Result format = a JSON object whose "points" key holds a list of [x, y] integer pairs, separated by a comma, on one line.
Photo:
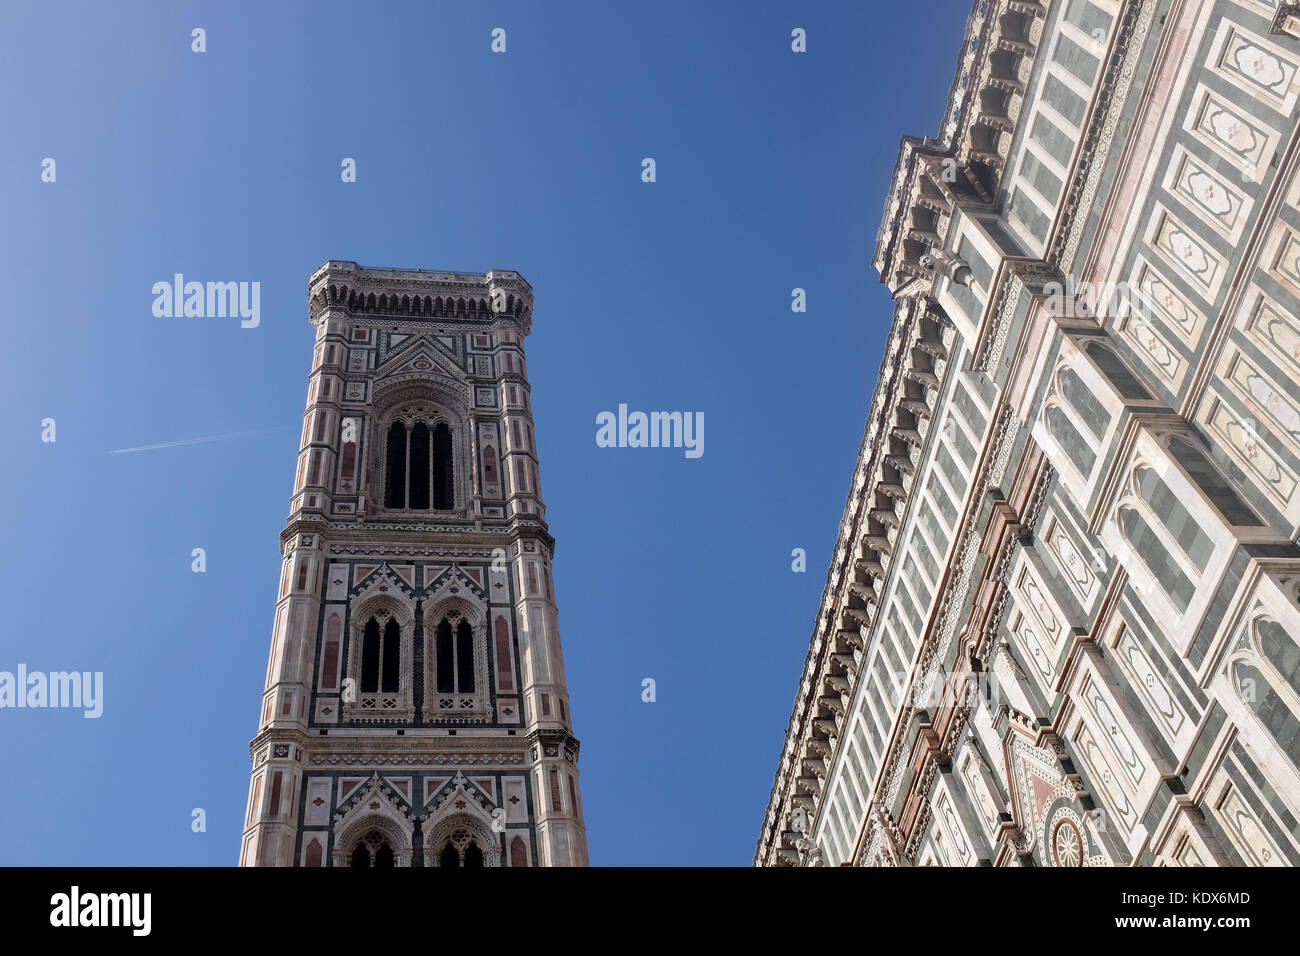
{"points": [[443, 485], [462, 849], [1173, 514], [419, 479], [1076, 419], [1152, 552], [392, 656], [420, 471], [446, 660], [370, 657], [1071, 441], [455, 657], [464, 658], [1091, 412], [395, 496], [1280, 649], [380, 657], [1278, 719], [373, 850]]}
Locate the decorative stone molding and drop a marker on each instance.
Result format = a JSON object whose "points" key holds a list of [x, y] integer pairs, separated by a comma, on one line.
{"points": [[1095, 144], [1287, 20], [911, 380], [415, 294], [966, 163]]}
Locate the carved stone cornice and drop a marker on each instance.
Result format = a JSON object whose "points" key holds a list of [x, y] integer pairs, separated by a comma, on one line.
{"points": [[477, 299], [1098, 136], [966, 163], [897, 427], [1287, 20]]}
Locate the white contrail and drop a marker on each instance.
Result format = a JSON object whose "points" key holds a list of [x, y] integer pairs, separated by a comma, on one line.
{"points": [[199, 441]]}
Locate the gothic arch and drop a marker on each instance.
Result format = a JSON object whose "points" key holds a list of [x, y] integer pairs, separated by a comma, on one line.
{"points": [[1262, 670], [381, 706], [395, 832], [456, 829], [435, 400], [457, 706]]}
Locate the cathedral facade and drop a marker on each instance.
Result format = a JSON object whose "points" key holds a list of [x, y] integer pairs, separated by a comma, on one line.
{"points": [[415, 711], [1061, 626]]}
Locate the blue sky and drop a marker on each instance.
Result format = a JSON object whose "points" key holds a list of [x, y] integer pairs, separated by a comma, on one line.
{"points": [[772, 170]]}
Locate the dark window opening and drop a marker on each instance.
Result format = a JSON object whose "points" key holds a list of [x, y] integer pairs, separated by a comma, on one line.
{"points": [[392, 648], [419, 486], [395, 497], [465, 657], [446, 671], [370, 658], [443, 493]]}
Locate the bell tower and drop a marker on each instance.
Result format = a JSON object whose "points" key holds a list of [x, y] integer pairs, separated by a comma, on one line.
{"points": [[415, 710]]}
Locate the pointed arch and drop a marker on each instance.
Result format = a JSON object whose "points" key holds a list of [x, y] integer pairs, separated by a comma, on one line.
{"points": [[458, 831], [368, 832], [518, 852]]}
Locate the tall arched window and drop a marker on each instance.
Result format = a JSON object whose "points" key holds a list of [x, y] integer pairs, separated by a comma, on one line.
{"points": [[370, 647], [1281, 650], [1076, 419], [455, 653], [419, 478], [443, 484], [464, 658], [1152, 552], [1060, 427], [420, 471], [446, 660], [380, 657], [1271, 709], [1173, 514], [1270, 686], [395, 495]]}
